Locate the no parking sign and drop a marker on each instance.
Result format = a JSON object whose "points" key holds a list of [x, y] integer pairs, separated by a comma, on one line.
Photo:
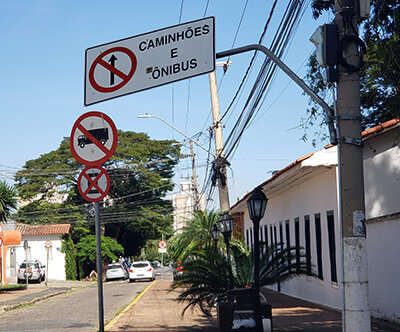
{"points": [[93, 183]]}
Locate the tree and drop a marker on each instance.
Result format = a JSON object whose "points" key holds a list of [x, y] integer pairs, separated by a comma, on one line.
{"points": [[135, 209], [379, 77], [111, 250], [194, 236], [206, 279], [8, 200]]}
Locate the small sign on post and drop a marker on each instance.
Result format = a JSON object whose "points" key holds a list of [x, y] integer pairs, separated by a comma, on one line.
{"points": [[47, 245]]}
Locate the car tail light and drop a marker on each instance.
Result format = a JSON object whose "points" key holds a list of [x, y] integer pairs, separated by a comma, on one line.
{"points": [[149, 270], [38, 271], [130, 270], [19, 270]]}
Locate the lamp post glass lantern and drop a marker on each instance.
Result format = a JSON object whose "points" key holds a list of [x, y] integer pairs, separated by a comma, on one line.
{"points": [[215, 233], [256, 205], [225, 222]]}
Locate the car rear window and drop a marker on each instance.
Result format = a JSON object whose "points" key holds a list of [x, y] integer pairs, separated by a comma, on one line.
{"points": [[31, 265], [114, 266], [139, 264]]}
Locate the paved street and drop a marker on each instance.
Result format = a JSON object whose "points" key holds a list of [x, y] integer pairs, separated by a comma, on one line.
{"points": [[76, 310]]}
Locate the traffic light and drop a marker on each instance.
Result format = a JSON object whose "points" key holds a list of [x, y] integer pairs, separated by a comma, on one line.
{"points": [[325, 38]]}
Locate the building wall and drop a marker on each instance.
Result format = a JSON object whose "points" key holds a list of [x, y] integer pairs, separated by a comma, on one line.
{"points": [[317, 195], [382, 192], [37, 251]]}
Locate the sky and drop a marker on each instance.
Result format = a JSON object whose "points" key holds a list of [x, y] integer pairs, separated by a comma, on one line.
{"points": [[42, 86]]}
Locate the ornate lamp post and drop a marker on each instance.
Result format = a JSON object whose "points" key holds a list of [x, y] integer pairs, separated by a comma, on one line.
{"points": [[256, 205], [225, 222], [215, 234]]}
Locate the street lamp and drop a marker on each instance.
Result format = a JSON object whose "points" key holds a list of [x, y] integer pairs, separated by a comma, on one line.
{"points": [[256, 205], [225, 222], [215, 234]]}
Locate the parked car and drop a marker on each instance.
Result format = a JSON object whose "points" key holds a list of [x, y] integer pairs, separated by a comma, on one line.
{"points": [[178, 271], [116, 271], [141, 270], [156, 264], [34, 270]]}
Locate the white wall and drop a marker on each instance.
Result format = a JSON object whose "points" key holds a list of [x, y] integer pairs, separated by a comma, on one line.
{"points": [[317, 195], [382, 193], [37, 250]]}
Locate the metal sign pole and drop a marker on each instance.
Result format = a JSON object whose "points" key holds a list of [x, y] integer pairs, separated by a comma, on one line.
{"points": [[47, 265], [99, 265], [2, 264]]}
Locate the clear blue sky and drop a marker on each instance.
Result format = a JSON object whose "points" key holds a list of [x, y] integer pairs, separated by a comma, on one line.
{"points": [[43, 48]]}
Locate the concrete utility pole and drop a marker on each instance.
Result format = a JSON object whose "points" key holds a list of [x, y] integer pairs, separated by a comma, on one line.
{"points": [[195, 180], [219, 143], [355, 312]]}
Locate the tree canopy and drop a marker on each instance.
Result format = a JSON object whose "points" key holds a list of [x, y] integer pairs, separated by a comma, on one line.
{"points": [[133, 212]]}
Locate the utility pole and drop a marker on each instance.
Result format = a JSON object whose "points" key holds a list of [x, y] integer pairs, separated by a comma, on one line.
{"points": [[195, 180], [220, 161], [355, 312]]}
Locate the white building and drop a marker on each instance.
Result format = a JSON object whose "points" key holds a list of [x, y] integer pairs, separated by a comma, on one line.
{"points": [[302, 210], [36, 237], [184, 205]]}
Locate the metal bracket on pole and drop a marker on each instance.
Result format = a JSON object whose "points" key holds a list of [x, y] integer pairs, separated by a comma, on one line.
{"points": [[353, 141], [327, 109], [348, 117]]}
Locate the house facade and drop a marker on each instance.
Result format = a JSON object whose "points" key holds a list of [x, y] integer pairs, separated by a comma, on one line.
{"points": [[302, 211], [44, 244]]}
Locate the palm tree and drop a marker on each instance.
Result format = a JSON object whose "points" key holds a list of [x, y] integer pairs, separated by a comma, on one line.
{"points": [[194, 236], [207, 278], [8, 200]]}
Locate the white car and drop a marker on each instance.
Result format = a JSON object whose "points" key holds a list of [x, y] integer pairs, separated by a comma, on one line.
{"points": [[116, 271], [34, 270], [141, 270]]}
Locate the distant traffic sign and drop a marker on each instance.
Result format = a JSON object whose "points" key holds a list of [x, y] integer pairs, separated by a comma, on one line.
{"points": [[48, 244], [93, 138], [162, 244], [149, 60], [93, 183]]}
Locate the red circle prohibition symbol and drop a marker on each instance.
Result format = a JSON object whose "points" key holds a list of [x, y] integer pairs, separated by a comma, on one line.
{"points": [[78, 125], [93, 183], [125, 78], [162, 244]]}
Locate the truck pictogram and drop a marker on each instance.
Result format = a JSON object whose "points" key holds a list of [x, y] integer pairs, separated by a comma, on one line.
{"points": [[101, 134]]}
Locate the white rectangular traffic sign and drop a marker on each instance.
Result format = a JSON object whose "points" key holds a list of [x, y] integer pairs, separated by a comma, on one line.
{"points": [[149, 60]]}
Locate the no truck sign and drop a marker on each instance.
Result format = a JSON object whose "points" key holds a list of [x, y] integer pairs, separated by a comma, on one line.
{"points": [[149, 60]]}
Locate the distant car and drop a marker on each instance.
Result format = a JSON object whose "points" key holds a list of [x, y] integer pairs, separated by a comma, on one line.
{"points": [[178, 272], [116, 271], [141, 270], [34, 270], [156, 264]]}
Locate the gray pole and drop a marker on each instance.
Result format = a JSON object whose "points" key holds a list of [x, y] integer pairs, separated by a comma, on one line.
{"points": [[355, 311], [99, 265], [219, 144], [195, 182]]}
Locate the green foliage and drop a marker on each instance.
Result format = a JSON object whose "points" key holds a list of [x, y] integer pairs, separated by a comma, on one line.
{"points": [[207, 278], [135, 211], [194, 236], [8, 200], [111, 250], [68, 248]]}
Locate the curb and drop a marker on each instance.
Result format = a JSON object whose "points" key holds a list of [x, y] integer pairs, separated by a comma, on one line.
{"points": [[116, 318], [37, 299]]}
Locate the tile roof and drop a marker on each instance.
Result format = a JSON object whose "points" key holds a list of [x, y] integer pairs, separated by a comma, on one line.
{"points": [[382, 126], [26, 229], [374, 130]]}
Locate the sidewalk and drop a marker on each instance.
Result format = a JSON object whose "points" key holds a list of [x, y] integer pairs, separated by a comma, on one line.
{"points": [[156, 310]]}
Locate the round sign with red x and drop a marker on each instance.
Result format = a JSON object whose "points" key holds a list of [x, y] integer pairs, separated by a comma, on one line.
{"points": [[93, 183]]}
